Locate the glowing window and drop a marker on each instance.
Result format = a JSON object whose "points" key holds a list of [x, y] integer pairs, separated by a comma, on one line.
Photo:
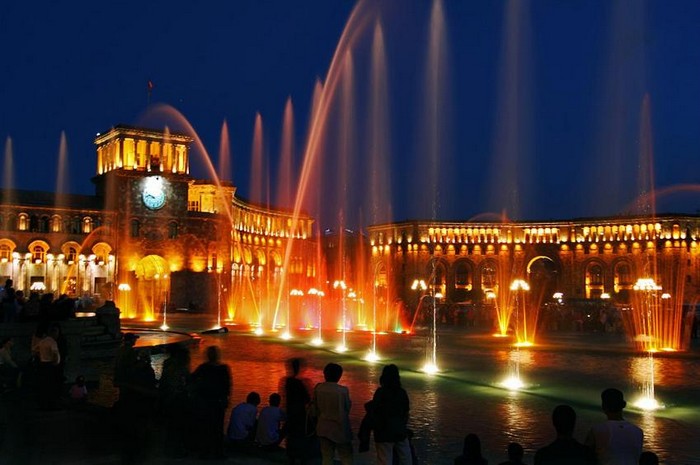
{"points": [[72, 254], [5, 252], [87, 225], [38, 254], [23, 223]]}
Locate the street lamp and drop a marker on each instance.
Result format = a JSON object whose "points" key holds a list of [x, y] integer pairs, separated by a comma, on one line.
{"points": [[124, 287]]}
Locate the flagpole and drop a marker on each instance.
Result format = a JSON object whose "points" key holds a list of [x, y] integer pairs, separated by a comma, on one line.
{"points": [[149, 89]]}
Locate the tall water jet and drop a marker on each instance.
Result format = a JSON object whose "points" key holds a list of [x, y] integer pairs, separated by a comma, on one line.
{"points": [[345, 151], [8, 182], [622, 83], [62, 166], [257, 169], [657, 315], [260, 291], [285, 177], [225, 174], [354, 28], [437, 116], [224, 171], [380, 187], [510, 164]]}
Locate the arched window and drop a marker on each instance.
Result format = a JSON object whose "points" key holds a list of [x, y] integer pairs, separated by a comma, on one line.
{"points": [[5, 253], [463, 278], [87, 225], [44, 224], [595, 274], [623, 274], [56, 224], [75, 225], [594, 280], [23, 222], [488, 276], [38, 254], [72, 255], [34, 223]]}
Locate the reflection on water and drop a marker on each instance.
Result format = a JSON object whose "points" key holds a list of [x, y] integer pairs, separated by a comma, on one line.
{"points": [[466, 397]]}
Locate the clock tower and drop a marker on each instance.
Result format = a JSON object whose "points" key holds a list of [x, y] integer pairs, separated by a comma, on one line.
{"points": [[143, 176]]}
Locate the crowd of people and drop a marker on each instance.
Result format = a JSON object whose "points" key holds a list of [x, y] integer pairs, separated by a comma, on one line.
{"points": [[15, 306], [315, 421], [302, 420]]}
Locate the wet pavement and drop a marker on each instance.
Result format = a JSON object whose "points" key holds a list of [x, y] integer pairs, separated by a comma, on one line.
{"points": [[87, 434]]}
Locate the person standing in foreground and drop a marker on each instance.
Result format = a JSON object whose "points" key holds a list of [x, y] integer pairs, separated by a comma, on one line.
{"points": [[211, 383], [564, 449], [332, 408], [615, 441], [390, 408], [296, 389]]}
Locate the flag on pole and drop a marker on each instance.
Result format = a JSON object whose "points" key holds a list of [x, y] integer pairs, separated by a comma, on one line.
{"points": [[149, 87]]}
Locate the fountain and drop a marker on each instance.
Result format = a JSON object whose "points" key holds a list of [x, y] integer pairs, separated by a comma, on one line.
{"points": [[272, 274]]}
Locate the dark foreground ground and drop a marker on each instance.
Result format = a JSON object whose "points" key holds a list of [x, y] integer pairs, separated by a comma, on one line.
{"points": [[88, 434]]}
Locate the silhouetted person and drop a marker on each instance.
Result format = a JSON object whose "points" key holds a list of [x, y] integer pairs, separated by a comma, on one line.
{"points": [[515, 455], [49, 373], [9, 304], [648, 458], [471, 452], [332, 410], [9, 371], [616, 441], [137, 396], [301, 439], [174, 401], [564, 449], [270, 428], [78, 391], [389, 410], [241, 424], [212, 387]]}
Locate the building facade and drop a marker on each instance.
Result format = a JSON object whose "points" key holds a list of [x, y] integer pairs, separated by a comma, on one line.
{"points": [[152, 237], [582, 261]]}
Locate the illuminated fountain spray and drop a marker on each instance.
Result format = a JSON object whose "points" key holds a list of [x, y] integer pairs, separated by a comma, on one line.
{"points": [[318, 340], [340, 284], [294, 296], [431, 365], [164, 326], [372, 355], [650, 302], [518, 288], [218, 299]]}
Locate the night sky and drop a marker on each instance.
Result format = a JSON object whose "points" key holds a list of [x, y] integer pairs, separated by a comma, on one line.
{"points": [[542, 113]]}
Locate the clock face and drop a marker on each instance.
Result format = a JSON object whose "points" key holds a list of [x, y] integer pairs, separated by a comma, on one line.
{"points": [[153, 193]]}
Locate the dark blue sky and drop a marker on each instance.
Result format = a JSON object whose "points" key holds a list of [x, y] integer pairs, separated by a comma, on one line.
{"points": [[555, 124]]}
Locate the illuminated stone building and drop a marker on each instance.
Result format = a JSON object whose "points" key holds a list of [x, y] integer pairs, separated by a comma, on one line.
{"points": [[585, 259], [152, 237]]}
